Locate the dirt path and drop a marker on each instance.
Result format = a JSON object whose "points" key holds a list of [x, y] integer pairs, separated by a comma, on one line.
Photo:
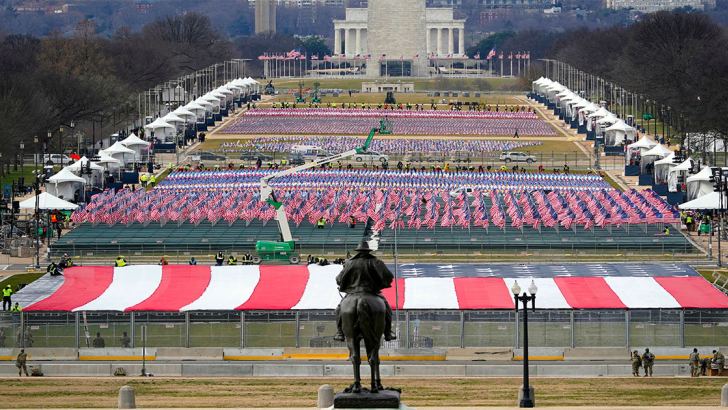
{"points": [[65, 392]]}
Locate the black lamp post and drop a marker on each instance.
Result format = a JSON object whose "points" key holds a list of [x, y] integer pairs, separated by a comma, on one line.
{"points": [[526, 399], [36, 186], [60, 146]]}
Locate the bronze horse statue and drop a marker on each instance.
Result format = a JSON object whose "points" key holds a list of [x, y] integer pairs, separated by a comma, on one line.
{"points": [[364, 314], [362, 317]]}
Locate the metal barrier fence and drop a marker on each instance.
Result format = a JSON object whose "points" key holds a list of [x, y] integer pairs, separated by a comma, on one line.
{"points": [[570, 255], [416, 329], [576, 160]]}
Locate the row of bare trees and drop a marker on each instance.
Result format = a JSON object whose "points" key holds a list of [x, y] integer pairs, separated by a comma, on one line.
{"points": [[679, 60], [49, 82]]}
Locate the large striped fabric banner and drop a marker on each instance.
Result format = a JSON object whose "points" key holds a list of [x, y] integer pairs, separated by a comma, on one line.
{"points": [[182, 288]]}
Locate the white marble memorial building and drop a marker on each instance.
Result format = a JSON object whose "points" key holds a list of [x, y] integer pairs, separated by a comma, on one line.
{"points": [[399, 36]]}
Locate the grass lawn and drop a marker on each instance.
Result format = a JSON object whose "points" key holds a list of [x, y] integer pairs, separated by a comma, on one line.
{"points": [[226, 392], [27, 173], [376, 98], [440, 84], [20, 278]]}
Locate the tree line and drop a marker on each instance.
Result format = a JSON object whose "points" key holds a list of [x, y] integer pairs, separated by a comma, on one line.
{"points": [[49, 82], [676, 60]]}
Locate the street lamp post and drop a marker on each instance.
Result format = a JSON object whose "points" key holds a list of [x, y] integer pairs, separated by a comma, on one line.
{"points": [[36, 186], [527, 399], [60, 145]]}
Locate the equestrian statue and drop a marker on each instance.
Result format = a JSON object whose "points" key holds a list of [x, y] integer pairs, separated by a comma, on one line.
{"points": [[364, 313]]}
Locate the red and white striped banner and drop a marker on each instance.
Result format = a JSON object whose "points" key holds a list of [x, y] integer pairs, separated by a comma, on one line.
{"points": [[181, 288]]}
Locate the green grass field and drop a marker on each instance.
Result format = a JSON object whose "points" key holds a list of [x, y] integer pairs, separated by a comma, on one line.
{"points": [[440, 84], [14, 280]]}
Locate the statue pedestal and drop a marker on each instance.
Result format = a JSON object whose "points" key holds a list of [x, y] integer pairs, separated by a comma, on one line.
{"points": [[385, 399]]}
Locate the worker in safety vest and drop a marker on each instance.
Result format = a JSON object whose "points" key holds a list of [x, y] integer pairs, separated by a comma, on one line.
{"points": [[247, 259], [7, 293], [152, 180], [120, 262], [320, 223], [232, 260], [219, 258], [143, 179], [16, 308]]}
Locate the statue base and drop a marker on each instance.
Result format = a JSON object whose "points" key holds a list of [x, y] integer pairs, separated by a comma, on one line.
{"points": [[385, 399]]}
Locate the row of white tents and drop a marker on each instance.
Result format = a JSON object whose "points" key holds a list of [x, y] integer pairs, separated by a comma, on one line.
{"points": [[576, 108], [74, 177], [167, 127]]}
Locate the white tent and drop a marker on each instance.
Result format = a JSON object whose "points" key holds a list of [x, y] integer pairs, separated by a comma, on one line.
{"points": [[160, 128], [172, 118], [709, 201], [619, 132], [185, 114], [48, 202], [120, 152], [656, 153], [64, 184], [81, 165], [675, 172], [699, 184], [662, 167], [639, 147], [108, 162], [254, 85], [205, 103], [601, 112], [608, 119], [198, 110], [139, 146]]}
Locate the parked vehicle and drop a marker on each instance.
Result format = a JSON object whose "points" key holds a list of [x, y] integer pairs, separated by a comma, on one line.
{"points": [[57, 159], [297, 159], [206, 156], [371, 156], [515, 156], [254, 156], [310, 151]]}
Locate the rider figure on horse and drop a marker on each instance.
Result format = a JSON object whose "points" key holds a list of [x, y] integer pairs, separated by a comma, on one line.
{"points": [[365, 274]]}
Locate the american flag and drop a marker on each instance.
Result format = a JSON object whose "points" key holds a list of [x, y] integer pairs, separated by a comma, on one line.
{"points": [[500, 56], [296, 52], [383, 56], [492, 53], [314, 57], [477, 56], [416, 57]]}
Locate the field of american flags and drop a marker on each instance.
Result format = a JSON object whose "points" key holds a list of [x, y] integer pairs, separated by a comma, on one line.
{"points": [[386, 198], [352, 121]]}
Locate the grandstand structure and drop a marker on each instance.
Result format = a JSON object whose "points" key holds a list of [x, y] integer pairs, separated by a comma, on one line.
{"points": [[438, 306], [432, 211]]}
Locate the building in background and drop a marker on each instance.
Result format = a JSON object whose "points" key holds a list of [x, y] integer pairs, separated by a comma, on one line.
{"points": [[651, 6], [265, 16], [399, 38]]}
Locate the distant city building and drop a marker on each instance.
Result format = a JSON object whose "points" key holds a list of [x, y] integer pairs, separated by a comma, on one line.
{"points": [[488, 16], [304, 3], [651, 6], [265, 16]]}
